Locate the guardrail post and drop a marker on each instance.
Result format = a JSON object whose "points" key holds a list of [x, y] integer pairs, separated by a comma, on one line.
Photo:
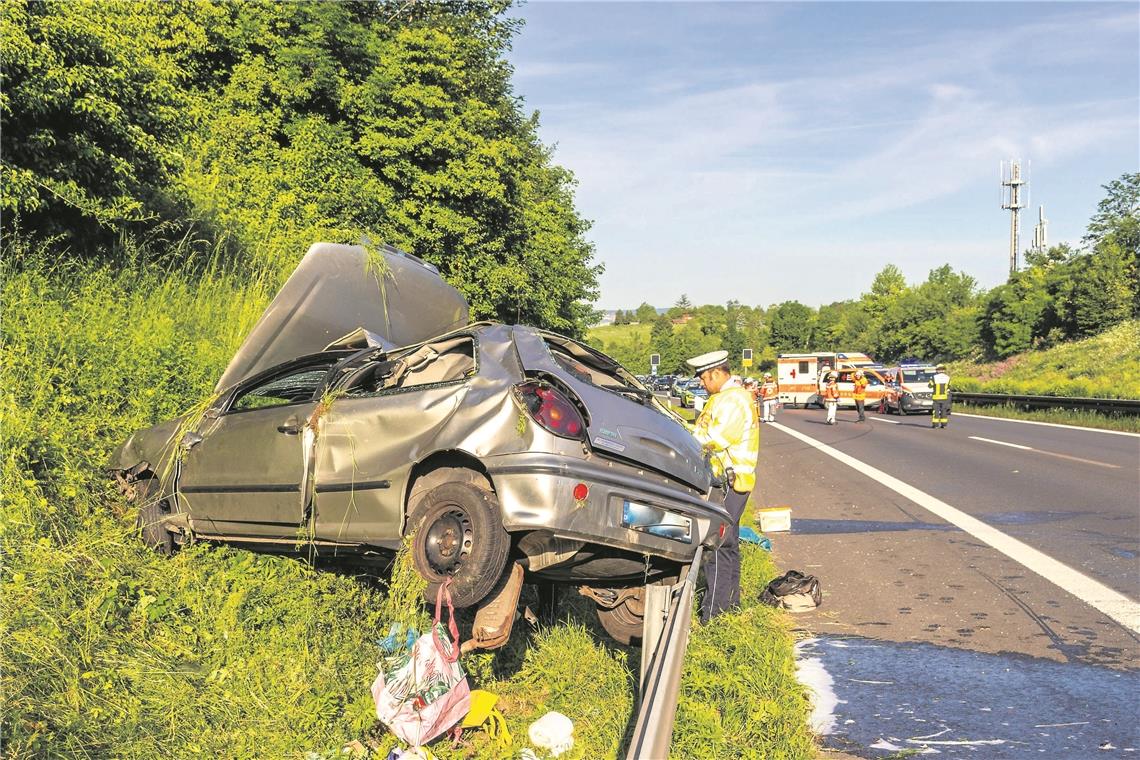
{"points": [[661, 680]]}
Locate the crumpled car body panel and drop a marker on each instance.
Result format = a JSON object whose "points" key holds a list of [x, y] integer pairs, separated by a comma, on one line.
{"points": [[325, 453]]}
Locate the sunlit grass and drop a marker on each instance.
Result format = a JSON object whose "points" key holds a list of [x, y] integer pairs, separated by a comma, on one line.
{"points": [[1104, 366], [109, 650]]}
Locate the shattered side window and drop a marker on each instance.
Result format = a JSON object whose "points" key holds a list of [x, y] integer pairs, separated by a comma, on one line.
{"points": [[296, 387], [433, 364]]}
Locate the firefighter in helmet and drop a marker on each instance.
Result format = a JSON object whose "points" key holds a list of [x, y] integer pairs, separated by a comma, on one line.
{"points": [[940, 395]]}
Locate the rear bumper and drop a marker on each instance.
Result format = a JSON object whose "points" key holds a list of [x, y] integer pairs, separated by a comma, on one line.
{"points": [[536, 492]]}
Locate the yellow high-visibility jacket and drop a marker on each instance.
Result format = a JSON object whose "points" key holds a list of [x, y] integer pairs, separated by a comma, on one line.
{"points": [[729, 429]]}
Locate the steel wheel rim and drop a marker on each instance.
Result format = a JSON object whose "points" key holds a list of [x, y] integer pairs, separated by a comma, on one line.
{"points": [[448, 541]]}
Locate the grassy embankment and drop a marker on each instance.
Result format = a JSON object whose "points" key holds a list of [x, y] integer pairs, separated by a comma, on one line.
{"points": [[111, 651], [1104, 366]]}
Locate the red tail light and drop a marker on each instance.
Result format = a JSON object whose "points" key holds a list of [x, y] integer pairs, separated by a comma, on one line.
{"points": [[551, 410]]}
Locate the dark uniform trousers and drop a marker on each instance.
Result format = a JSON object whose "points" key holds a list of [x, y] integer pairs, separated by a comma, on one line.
{"points": [[722, 571]]}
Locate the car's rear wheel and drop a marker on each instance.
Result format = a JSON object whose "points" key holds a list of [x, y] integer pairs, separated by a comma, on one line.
{"points": [[152, 510], [624, 622], [458, 533]]}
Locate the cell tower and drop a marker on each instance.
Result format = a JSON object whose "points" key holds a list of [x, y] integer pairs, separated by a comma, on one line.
{"points": [[1011, 199], [1041, 231]]}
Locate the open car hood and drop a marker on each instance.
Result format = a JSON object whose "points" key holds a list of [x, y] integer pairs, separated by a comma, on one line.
{"points": [[333, 292]]}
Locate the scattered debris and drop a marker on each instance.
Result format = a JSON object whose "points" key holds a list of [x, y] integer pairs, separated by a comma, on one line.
{"points": [[553, 732], [749, 536], [422, 691], [774, 519], [793, 591]]}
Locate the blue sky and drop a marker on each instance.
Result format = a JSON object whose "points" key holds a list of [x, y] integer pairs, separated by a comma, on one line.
{"points": [[801, 147]]}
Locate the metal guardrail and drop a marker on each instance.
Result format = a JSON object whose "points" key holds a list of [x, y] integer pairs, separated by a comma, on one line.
{"points": [[1104, 405], [661, 678]]}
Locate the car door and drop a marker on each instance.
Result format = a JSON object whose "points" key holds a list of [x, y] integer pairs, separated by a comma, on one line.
{"points": [[243, 472], [371, 436]]}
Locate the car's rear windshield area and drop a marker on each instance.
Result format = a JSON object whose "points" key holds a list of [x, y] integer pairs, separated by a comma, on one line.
{"points": [[917, 375], [589, 367]]}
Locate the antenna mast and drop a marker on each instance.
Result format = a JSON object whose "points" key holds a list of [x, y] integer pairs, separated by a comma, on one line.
{"points": [[1011, 199]]}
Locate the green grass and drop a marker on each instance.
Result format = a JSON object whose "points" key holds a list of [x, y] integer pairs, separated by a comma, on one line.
{"points": [[1057, 416], [1104, 366], [108, 650], [636, 334]]}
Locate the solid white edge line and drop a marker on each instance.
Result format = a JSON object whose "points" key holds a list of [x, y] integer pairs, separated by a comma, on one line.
{"points": [[1046, 424], [1001, 443], [1112, 603], [881, 419]]}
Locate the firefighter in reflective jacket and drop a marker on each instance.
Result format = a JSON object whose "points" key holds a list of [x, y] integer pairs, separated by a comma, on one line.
{"points": [[940, 395], [831, 396], [769, 392], [860, 394], [729, 430]]}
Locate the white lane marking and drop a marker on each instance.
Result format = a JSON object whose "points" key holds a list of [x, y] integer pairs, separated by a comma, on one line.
{"points": [[1112, 603], [1047, 453], [1002, 443], [881, 419], [1046, 424]]}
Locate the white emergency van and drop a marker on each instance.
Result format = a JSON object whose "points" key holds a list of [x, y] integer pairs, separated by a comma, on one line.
{"points": [[800, 376]]}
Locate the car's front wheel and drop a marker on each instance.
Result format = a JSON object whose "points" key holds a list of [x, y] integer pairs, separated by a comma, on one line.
{"points": [[458, 532]]}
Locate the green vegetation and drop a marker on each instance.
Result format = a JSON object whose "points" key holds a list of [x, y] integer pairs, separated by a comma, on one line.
{"points": [[249, 130], [1104, 366], [164, 167], [1055, 416], [1062, 295], [110, 650]]}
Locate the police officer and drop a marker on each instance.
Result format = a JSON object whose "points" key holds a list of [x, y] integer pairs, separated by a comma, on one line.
{"points": [[940, 395], [729, 429]]}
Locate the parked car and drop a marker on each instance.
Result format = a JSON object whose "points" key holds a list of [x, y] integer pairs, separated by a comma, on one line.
{"points": [[908, 392], [693, 395], [363, 408], [678, 384]]}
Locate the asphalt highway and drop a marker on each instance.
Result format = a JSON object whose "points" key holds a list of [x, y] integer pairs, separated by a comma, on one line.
{"points": [[1071, 493], [959, 569]]}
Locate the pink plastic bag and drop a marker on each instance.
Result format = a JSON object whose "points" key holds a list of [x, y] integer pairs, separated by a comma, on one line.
{"points": [[422, 692]]}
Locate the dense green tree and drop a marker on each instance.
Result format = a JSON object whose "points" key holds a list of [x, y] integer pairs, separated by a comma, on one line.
{"points": [[1101, 293], [1014, 313], [96, 98], [791, 324], [269, 125], [645, 313], [661, 342]]}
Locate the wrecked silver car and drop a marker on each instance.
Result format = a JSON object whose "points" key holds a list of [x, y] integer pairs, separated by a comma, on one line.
{"points": [[363, 407]]}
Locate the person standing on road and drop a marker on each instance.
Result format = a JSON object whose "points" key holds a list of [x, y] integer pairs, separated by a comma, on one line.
{"points": [[831, 397], [860, 394], [940, 387], [728, 428], [769, 392]]}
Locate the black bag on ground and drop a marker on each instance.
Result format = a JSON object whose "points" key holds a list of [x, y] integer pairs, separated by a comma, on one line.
{"points": [[793, 591]]}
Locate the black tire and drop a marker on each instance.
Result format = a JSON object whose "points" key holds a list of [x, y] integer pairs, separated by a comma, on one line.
{"points": [[624, 622], [458, 532], [152, 510]]}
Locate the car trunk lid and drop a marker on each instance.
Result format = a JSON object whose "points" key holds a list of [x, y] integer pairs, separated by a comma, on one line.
{"points": [[624, 422], [336, 289]]}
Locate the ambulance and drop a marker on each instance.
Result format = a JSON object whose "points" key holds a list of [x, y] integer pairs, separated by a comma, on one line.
{"points": [[801, 377]]}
